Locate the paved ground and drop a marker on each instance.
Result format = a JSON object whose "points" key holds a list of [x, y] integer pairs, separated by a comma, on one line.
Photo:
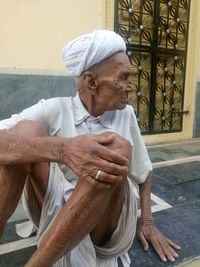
{"points": [[175, 203]]}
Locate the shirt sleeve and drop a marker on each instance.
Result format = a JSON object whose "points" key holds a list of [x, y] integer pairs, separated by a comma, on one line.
{"points": [[140, 165], [34, 113]]}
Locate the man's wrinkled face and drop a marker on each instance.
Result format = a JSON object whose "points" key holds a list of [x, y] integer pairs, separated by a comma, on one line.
{"points": [[114, 82]]}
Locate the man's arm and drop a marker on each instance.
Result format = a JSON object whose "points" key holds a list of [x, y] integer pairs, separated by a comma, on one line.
{"points": [[16, 149], [148, 231], [84, 154]]}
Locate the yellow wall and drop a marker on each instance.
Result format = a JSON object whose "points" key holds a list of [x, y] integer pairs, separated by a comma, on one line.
{"points": [[197, 59], [33, 32]]}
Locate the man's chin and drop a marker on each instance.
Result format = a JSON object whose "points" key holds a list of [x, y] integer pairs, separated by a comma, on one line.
{"points": [[121, 106]]}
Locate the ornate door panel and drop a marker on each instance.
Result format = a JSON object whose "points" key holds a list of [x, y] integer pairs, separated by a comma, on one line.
{"points": [[156, 32]]}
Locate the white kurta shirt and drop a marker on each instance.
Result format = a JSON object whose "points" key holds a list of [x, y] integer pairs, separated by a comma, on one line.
{"points": [[67, 117]]}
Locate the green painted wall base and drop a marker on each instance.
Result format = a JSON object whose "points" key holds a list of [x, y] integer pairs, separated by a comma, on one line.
{"points": [[19, 91]]}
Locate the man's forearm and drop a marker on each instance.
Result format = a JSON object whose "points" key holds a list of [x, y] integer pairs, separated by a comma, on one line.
{"points": [[145, 198], [18, 150], [76, 219]]}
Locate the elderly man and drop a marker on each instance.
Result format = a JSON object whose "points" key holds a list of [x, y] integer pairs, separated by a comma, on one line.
{"points": [[78, 160]]}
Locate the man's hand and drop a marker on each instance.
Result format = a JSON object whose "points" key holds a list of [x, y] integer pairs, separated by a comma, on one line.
{"points": [[164, 247], [86, 154]]}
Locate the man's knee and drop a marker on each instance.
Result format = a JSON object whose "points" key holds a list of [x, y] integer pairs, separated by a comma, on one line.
{"points": [[26, 128], [124, 147], [29, 128], [120, 145]]}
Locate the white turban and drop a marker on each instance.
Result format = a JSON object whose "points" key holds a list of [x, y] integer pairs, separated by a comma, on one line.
{"points": [[87, 50]]}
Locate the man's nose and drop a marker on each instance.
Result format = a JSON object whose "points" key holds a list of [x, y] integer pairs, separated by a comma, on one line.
{"points": [[129, 87]]}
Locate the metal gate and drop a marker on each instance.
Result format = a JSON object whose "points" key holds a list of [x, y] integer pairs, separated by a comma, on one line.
{"points": [[156, 33]]}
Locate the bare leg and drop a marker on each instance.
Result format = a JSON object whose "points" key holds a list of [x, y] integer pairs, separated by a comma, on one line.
{"points": [[109, 220], [10, 191], [12, 177], [78, 217], [82, 214]]}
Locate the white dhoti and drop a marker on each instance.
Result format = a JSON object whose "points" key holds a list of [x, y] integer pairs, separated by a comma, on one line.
{"points": [[85, 254]]}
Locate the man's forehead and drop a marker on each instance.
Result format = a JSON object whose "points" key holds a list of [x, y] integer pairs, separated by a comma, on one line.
{"points": [[119, 59], [119, 56]]}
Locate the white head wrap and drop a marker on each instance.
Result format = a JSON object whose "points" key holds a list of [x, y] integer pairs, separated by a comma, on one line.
{"points": [[87, 50]]}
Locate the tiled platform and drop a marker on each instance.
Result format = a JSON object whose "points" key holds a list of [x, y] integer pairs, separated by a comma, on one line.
{"points": [[181, 222], [175, 198]]}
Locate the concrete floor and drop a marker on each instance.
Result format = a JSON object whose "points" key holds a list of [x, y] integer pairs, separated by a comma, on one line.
{"points": [[193, 263]]}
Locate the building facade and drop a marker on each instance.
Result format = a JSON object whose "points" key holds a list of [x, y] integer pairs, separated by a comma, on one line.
{"points": [[34, 32]]}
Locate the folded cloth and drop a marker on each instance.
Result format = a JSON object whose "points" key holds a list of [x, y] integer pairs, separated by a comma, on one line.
{"points": [[25, 229], [85, 254], [90, 49]]}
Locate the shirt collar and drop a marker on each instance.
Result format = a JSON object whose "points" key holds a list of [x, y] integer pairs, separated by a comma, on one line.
{"points": [[81, 114]]}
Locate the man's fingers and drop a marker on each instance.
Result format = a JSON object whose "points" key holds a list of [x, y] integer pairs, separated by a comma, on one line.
{"points": [[173, 252], [167, 251], [112, 168], [109, 178], [159, 251], [111, 156], [105, 140], [174, 245], [143, 241]]}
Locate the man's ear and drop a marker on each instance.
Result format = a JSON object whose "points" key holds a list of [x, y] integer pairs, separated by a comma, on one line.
{"points": [[89, 81]]}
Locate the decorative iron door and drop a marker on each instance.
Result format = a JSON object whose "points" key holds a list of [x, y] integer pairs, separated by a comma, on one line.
{"points": [[156, 32]]}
